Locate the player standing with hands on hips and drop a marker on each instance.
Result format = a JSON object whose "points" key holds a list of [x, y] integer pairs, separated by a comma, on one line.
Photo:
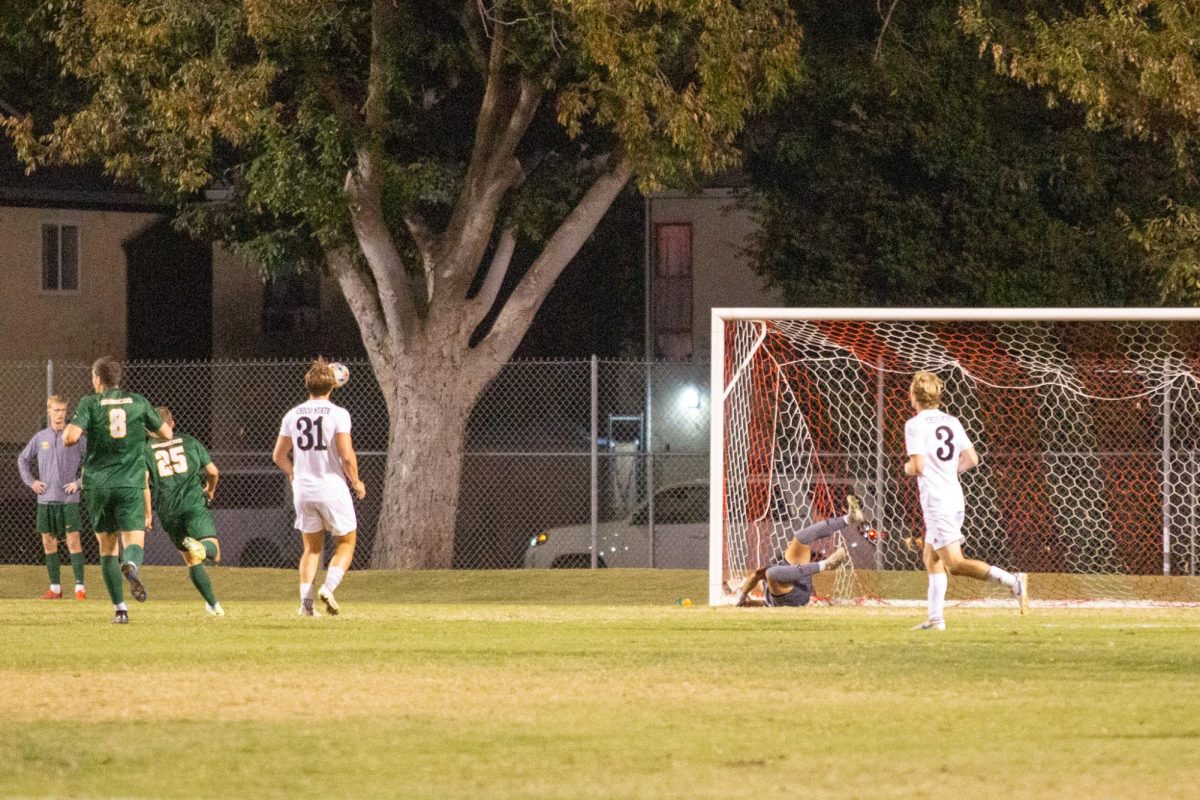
{"points": [[57, 488], [938, 451], [315, 451]]}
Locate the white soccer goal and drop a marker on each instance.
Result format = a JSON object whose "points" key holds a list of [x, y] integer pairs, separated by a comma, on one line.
{"points": [[1087, 420]]}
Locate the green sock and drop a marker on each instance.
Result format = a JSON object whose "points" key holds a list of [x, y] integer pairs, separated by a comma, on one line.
{"points": [[210, 547], [133, 553], [52, 567], [203, 585], [110, 568], [77, 567]]}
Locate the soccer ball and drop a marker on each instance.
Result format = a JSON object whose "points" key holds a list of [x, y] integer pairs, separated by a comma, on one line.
{"points": [[341, 373]]}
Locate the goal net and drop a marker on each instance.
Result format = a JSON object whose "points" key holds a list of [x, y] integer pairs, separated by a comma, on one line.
{"points": [[1087, 422]]}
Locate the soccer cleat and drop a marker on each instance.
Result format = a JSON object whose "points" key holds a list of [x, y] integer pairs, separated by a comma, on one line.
{"points": [[136, 587], [331, 605], [50, 594], [306, 608], [121, 617], [214, 610], [195, 548], [854, 512], [1021, 592], [81, 593], [931, 625]]}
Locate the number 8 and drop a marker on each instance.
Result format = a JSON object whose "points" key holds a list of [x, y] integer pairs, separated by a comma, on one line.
{"points": [[116, 423]]}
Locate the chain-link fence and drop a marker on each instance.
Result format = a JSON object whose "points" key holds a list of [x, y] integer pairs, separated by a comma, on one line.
{"points": [[563, 460]]}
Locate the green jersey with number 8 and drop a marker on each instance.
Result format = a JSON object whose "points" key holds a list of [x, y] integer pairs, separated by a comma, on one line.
{"points": [[177, 475], [116, 423]]}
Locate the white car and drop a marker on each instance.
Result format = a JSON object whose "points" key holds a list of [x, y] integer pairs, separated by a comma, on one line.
{"points": [[680, 536]]}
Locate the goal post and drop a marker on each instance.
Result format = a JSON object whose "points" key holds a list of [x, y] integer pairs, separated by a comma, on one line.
{"points": [[1087, 421]]}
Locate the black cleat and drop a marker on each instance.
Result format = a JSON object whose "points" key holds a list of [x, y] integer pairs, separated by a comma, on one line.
{"points": [[130, 571], [121, 618]]}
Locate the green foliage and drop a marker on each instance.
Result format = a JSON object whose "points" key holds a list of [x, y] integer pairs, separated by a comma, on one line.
{"points": [[906, 172], [271, 97], [1131, 65]]}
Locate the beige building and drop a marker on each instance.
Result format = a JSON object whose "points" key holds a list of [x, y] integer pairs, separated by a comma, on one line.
{"points": [[696, 262]]}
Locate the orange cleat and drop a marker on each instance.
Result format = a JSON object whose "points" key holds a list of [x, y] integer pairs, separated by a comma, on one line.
{"points": [[81, 594], [49, 595]]}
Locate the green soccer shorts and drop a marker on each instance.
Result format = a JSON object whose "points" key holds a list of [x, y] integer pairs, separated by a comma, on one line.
{"points": [[196, 523], [121, 508], [58, 519]]}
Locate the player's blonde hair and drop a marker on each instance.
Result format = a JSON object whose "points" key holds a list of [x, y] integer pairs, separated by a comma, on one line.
{"points": [[320, 380], [164, 413], [926, 389], [55, 400]]}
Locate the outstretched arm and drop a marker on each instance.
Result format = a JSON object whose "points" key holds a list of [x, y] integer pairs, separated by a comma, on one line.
{"points": [[752, 580]]}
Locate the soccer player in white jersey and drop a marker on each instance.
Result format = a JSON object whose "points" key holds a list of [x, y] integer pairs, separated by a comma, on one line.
{"points": [[938, 451], [315, 452]]}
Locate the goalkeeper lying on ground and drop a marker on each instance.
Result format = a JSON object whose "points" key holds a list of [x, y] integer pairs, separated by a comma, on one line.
{"points": [[789, 582]]}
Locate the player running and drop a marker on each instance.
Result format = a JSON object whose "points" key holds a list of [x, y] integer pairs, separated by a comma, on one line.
{"points": [[114, 475], [938, 451], [315, 452], [183, 479], [790, 582]]}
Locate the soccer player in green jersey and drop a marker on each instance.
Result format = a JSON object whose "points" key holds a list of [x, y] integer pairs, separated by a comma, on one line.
{"points": [[114, 475], [183, 479]]}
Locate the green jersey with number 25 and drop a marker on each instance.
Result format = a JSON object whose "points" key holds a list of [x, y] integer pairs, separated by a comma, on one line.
{"points": [[177, 475]]}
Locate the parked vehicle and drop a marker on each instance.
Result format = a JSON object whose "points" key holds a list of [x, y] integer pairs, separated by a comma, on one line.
{"points": [[680, 536]]}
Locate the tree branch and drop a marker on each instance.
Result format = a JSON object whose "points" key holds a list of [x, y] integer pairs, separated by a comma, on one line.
{"points": [[482, 303], [426, 242], [364, 190], [363, 299], [518, 312], [509, 104]]}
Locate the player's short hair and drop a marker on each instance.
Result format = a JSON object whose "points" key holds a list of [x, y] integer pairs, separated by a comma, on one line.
{"points": [[164, 413], [109, 371], [320, 380], [927, 389], [55, 400]]}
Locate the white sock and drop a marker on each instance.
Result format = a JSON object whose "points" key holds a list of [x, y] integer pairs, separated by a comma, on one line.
{"points": [[1000, 576], [121, 607], [333, 576], [306, 591], [937, 594], [56, 588], [79, 587]]}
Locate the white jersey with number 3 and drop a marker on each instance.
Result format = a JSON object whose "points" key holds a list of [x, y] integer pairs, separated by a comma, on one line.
{"points": [[317, 465], [939, 438]]}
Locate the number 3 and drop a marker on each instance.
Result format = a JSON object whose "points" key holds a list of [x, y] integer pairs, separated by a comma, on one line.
{"points": [[946, 435]]}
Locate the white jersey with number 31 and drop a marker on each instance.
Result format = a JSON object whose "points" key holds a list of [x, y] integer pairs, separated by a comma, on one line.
{"points": [[317, 466], [939, 438]]}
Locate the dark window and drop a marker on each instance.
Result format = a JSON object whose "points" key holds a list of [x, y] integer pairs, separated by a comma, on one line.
{"points": [[673, 290], [60, 258], [292, 304]]}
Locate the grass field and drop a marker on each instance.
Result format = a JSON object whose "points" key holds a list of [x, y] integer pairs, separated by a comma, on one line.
{"points": [[578, 685]]}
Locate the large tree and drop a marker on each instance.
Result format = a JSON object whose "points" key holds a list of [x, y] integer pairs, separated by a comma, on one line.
{"points": [[906, 172], [1133, 66], [410, 148]]}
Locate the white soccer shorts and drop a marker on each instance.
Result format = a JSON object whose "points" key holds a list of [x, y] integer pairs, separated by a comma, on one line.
{"points": [[335, 515], [943, 529]]}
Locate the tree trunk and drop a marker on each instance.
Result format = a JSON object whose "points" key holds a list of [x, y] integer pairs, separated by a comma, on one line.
{"points": [[428, 409]]}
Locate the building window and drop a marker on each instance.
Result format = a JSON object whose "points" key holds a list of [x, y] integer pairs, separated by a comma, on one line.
{"points": [[292, 304], [60, 258], [673, 291]]}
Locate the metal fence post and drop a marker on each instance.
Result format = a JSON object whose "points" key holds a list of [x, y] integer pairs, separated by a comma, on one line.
{"points": [[595, 456], [880, 456], [650, 459], [49, 377]]}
